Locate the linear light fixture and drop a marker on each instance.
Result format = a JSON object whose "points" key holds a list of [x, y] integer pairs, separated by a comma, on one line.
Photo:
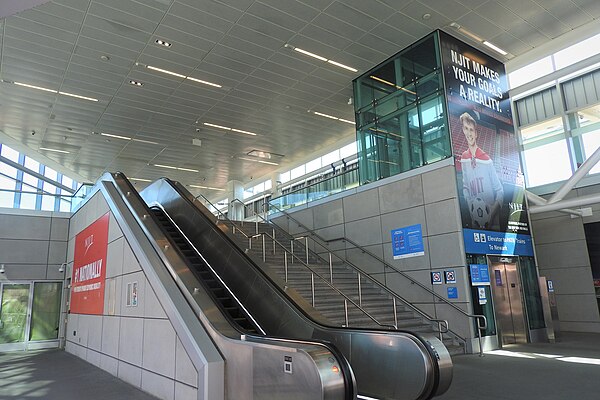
{"points": [[177, 168], [258, 161], [495, 48], [229, 129], [165, 71], [127, 138], [476, 38], [334, 118], [140, 179], [206, 187], [78, 96], [54, 91], [378, 79], [318, 57], [55, 150]]}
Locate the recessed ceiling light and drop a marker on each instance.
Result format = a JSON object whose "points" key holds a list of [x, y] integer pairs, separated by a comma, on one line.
{"points": [[162, 43], [334, 118], [35, 87], [126, 138], [165, 71], [426, 16], [55, 150], [104, 57], [318, 57], [177, 168], [206, 187], [495, 48], [78, 96], [135, 83], [54, 91], [258, 161], [229, 129]]}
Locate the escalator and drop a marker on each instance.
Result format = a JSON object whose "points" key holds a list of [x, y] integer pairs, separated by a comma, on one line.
{"points": [[387, 364], [207, 316]]}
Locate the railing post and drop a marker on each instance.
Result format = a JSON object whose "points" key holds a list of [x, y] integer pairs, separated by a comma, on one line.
{"points": [[395, 313], [264, 249], [285, 265], [256, 223], [479, 336], [330, 269], [346, 311], [273, 240], [440, 331], [312, 284], [292, 246], [359, 292], [250, 242], [306, 245]]}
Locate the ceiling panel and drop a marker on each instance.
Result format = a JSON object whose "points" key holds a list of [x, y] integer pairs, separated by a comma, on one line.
{"points": [[91, 47]]}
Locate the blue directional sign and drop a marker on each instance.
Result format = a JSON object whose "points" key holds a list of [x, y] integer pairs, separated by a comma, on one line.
{"points": [[407, 242], [452, 292]]}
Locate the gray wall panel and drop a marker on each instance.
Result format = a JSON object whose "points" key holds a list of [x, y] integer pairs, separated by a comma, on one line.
{"points": [[402, 218], [443, 217], [362, 205], [402, 194], [24, 227], [331, 213], [365, 232], [439, 184]]}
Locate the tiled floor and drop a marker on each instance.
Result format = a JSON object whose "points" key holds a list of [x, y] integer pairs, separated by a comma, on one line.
{"points": [[569, 369], [58, 375]]}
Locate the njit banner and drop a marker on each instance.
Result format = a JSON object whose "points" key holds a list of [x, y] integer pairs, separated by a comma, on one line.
{"points": [[490, 181], [89, 268]]}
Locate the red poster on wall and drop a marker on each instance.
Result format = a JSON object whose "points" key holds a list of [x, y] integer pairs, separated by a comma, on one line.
{"points": [[89, 268]]}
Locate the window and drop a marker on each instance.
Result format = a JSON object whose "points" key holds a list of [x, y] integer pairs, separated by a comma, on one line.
{"points": [[545, 153], [297, 172], [586, 133], [577, 52], [9, 153], [531, 72], [348, 150], [19, 189]]}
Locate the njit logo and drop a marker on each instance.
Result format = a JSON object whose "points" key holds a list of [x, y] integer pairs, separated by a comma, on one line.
{"points": [[479, 237], [88, 242]]}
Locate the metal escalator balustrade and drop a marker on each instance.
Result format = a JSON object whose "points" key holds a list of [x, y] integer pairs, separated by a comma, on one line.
{"points": [[389, 364], [207, 277], [254, 364]]}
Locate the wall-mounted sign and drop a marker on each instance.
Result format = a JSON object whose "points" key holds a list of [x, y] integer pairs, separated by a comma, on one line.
{"points": [[132, 294], [89, 268], [550, 286], [450, 276], [480, 274], [500, 243], [481, 295], [407, 242], [436, 277], [452, 292], [491, 185]]}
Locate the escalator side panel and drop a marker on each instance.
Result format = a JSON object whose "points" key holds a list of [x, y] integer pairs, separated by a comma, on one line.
{"points": [[276, 313]]}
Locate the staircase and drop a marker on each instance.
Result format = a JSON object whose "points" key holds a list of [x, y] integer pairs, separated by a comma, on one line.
{"points": [[327, 300]]}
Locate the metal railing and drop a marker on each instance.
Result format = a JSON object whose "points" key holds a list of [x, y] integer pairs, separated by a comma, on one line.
{"points": [[334, 184], [289, 258], [316, 238], [443, 325]]}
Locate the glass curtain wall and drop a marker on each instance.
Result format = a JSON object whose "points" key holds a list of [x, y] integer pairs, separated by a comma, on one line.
{"points": [[400, 113]]}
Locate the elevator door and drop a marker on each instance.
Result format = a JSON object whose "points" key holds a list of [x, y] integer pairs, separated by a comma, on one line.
{"points": [[508, 301]]}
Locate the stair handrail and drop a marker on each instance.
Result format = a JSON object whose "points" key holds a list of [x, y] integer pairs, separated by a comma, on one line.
{"points": [[306, 266], [476, 317], [443, 325]]}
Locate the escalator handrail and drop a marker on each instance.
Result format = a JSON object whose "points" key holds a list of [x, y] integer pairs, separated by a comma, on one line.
{"points": [[349, 380]]}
